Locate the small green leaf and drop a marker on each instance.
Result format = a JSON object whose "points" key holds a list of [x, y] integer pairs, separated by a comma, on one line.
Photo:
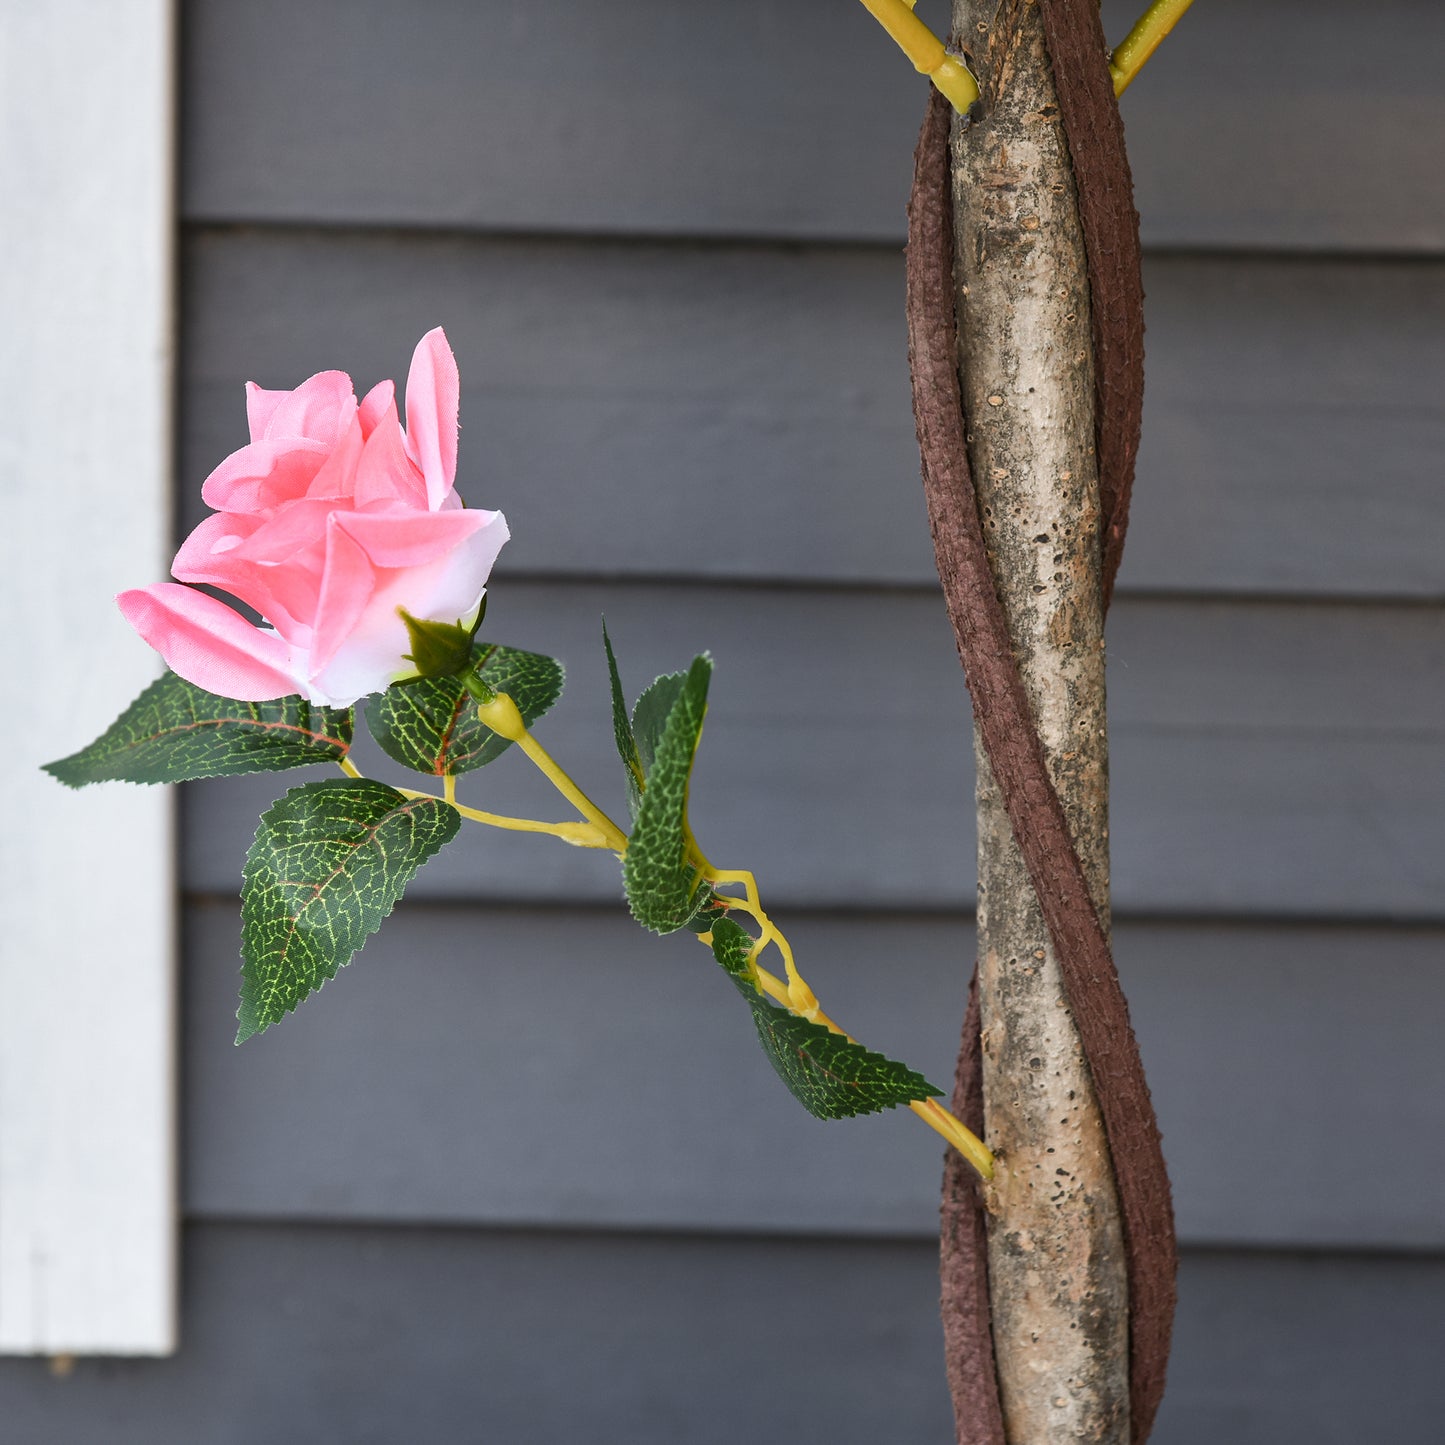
{"points": [[440, 649], [174, 731], [650, 714], [732, 946], [622, 730], [664, 891], [829, 1075], [329, 862], [430, 725]]}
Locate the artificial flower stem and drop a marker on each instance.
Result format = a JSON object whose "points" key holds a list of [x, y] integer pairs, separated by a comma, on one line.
{"points": [[802, 1000], [926, 51], [930, 1111], [953, 1129], [501, 714], [1143, 40], [580, 835]]}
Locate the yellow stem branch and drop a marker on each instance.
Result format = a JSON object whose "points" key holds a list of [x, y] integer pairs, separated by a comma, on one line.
{"points": [[799, 999], [1143, 40], [501, 715], [926, 51], [580, 835]]}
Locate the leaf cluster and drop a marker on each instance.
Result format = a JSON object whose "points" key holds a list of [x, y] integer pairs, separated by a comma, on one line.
{"points": [[332, 857]]}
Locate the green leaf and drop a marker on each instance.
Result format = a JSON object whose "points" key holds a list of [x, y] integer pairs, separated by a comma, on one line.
{"points": [[174, 731], [622, 730], [732, 946], [329, 862], [651, 712], [430, 725], [664, 891], [829, 1075]]}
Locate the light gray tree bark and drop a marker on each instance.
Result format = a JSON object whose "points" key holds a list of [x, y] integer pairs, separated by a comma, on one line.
{"points": [[1057, 1276]]}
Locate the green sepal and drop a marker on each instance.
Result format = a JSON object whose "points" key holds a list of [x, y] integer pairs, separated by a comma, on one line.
{"points": [[828, 1074], [175, 732], [440, 649], [430, 725], [664, 891], [329, 862]]}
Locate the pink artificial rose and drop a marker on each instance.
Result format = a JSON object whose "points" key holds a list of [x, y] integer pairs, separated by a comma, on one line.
{"points": [[331, 520]]}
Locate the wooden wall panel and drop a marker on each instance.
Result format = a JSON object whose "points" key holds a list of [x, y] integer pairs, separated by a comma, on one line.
{"points": [[1268, 759], [615, 396], [380, 1335], [1251, 128], [649, 1105]]}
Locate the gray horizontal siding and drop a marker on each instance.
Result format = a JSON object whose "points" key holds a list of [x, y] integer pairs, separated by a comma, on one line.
{"points": [[501, 1066], [1268, 759], [1287, 125], [371, 1183], [372, 1337], [619, 400]]}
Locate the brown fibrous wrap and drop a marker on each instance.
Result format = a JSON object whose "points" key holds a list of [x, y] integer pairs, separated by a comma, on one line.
{"points": [[1005, 723]]}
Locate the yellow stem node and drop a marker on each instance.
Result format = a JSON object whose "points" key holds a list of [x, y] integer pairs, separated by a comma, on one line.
{"points": [[926, 51], [1143, 40]]}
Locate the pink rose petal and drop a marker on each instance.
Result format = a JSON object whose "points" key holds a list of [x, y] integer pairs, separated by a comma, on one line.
{"points": [[375, 405], [346, 587], [433, 392], [385, 473], [411, 539], [263, 475], [328, 521], [208, 644], [316, 410]]}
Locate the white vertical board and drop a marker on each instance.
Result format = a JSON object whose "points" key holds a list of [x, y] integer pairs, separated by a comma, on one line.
{"points": [[87, 1129]]}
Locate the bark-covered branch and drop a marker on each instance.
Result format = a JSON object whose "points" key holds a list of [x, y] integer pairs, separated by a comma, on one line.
{"points": [[1056, 1256]]}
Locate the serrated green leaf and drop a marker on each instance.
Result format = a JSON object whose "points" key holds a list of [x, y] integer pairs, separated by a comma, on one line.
{"points": [[621, 727], [664, 891], [622, 730], [329, 862], [430, 725], [650, 715], [829, 1075], [175, 731], [732, 946]]}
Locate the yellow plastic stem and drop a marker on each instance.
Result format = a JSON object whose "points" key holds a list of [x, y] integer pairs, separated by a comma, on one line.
{"points": [[799, 999], [502, 716], [599, 831], [926, 51], [580, 835], [1143, 40], [957, 1133]]}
